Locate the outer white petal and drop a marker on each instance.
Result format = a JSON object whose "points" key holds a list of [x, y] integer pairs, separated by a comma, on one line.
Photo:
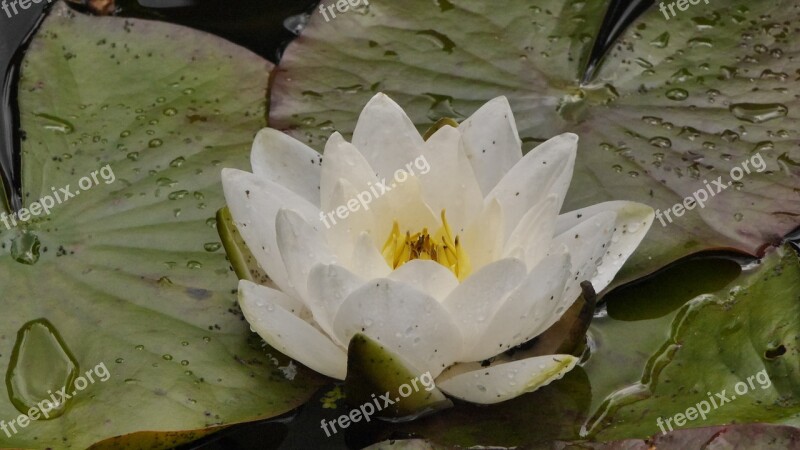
{"points": [[288, 162], [505, 381], [491, 142], [547, 169], [484, 238], [586, 242], [343, 160], [450, 183], [428, 276], [329, 285], [525, 310], [254, 203], [264, 310], [633, 220], [302, 246], [386, 136], [404, 320], [533, 234], [475, 301]]}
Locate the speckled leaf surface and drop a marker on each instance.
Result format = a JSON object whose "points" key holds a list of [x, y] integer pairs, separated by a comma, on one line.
{"points": [[131, 273], [740, 343], [675, 103]]}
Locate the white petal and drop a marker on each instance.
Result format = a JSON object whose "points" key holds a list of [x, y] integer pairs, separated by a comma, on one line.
{"points": [[450, 183], [484, 237], [329, 285], [533, 234], [288, 162], [586, 242], [348, 221], [302, 246], [547, 169], [343, 161], [264, 310], [254, 203], [428, 276], [386, 136], [491, 142], [505, 381], [633, 220], [404, 320], [475, 301], [367, 260], [523, 313]]}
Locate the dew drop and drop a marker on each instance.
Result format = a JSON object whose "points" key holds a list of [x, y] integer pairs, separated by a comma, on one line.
{"points": [[40, 363], [661, 41], [25, 248], [661, 142], [758, 112], [177, 162], [212, 246], [57, 124], [177, 195], [677, 94]]}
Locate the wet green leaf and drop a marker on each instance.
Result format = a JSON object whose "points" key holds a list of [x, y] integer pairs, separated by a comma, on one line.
{"points": [[675, 103], [742, 340], [130, 272]]}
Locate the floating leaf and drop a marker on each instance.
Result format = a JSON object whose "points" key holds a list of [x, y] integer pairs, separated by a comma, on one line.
{"points": [[122, 271], [675, 103], [746, 335]]}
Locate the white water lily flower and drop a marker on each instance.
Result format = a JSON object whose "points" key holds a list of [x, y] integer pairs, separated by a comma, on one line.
{"points": [[446, 268]]}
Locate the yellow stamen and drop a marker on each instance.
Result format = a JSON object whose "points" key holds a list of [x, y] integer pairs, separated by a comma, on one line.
{"points": [[441, 247]]}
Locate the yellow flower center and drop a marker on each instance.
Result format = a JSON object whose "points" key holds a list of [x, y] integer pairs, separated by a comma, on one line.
{"points": [[441, 247]]}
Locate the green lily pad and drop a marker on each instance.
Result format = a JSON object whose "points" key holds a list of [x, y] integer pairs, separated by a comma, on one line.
{"points": [[741, 343], [130, 273], [675, 103]]}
